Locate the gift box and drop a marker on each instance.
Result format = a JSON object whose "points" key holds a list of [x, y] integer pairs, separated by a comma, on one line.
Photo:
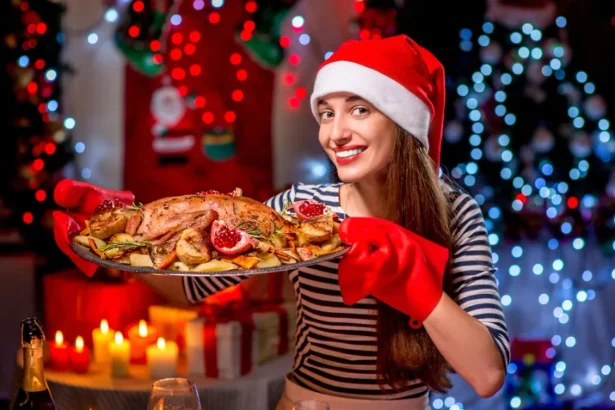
{"points": [[171, 322], [229, 341], [274, 329], [219, 346], [75, 304]]}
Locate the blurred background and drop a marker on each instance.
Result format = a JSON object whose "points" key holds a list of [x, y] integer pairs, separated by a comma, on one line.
{"points": [[166, 97]]}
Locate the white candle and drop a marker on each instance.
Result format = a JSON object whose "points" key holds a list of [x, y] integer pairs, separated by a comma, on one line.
{"points": [[119, 351], [162, 359], [101, 338]]}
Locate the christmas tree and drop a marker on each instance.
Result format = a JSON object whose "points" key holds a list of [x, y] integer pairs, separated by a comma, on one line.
{"points": [[530, 137], [36, 136]]}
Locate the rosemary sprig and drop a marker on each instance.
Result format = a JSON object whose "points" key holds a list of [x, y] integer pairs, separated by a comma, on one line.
{"points": [[135, 207], [250, 230], [287, 203], [275, 232], [128, 244]]}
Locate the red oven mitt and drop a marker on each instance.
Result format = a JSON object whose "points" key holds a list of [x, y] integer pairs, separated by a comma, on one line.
{"points": [[80, 199], [396, 266]]}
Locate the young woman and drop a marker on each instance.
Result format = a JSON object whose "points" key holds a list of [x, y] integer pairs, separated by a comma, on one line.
{"points": [[415, 296]]}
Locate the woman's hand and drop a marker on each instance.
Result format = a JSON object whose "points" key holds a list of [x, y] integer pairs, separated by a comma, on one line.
{"points": [[396, 266], [80, 200]]}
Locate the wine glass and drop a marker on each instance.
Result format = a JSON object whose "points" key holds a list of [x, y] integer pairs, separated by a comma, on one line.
{"points": [[310, 405], [174, 394]]}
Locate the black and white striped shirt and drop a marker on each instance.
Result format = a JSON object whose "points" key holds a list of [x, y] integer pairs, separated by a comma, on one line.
{"points": [[335, 344]]}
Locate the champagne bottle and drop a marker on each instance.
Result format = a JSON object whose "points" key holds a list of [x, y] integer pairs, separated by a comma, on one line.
{"points": [[34, 393]]}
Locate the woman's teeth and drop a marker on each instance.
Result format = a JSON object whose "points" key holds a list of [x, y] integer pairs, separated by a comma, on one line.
{"points": [[349, 153]]}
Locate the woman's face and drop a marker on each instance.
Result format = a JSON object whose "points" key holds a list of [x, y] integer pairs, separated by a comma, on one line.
{"points": [[358, 138]]}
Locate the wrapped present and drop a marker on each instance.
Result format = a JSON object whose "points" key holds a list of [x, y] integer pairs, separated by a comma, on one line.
{"points": [[219, 343], [274, 328], [75, 304], [171, 321], [228, 341]]}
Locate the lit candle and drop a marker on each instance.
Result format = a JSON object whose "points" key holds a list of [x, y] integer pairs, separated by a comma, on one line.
{"points": [[80, 356], [162, 359], [59, 353], [141, 335], [119, 353], [101, 337]]}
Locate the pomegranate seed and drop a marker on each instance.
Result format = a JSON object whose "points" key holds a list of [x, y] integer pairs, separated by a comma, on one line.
{"points": [[227, 238], [311, 209]]}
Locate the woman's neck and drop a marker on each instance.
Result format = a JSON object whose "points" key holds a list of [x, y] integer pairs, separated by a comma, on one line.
{"points": [[362, 198]]}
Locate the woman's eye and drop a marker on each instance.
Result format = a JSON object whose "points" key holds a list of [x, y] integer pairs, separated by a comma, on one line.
{"points": [[359, 111], [326, 115]]}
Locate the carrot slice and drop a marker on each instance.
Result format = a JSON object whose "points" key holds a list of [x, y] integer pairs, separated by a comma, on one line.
{"points": [[95, 248], [168, 261], [86, 231]]}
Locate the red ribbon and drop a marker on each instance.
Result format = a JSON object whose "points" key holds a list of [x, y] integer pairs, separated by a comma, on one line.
{"points": [[214, 315]]}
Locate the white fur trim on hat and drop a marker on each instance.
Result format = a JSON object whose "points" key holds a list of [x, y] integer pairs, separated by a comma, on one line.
{"points": [[386, 94]]}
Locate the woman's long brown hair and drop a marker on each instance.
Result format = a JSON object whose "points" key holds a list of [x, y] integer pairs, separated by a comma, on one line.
{"points": [[416, 201]]}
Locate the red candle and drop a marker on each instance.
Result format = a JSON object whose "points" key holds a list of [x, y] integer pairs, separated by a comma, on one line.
{"points": [[80, 357], [140, 336], [58, 352]]}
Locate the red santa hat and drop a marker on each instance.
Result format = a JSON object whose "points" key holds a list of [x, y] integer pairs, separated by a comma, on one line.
{"points": [[400, 78]]}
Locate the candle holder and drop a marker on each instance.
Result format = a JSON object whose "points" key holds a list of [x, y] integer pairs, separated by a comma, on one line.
{"points": [[141, 335], [59, 353], [80, 357]]}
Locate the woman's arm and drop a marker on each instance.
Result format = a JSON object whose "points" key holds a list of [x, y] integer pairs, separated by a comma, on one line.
{"points": [[470, 331]]}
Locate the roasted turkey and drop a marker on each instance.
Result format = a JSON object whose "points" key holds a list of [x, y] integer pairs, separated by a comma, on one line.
{"points": [[209, 231]]}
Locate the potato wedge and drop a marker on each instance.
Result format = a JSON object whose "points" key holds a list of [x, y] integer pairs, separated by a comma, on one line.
{"points": [[247, 262], [121, 237], [215, 265], [331, 244], [270, 261], [278, 240], [179, 266], [83, 240], [138, 259]]}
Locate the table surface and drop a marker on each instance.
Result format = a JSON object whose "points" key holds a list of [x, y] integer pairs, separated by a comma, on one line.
{"points": [[138, 379]]}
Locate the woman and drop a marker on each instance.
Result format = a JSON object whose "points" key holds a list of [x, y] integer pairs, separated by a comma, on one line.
{"points": [[384, 326]]}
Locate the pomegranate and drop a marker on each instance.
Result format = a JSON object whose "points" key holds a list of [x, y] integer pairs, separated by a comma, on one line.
{"points": [[230, 241], [308, 208], [107, 205]]}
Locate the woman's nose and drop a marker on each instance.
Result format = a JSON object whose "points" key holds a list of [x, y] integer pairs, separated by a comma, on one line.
{"points": [[340, 133]]}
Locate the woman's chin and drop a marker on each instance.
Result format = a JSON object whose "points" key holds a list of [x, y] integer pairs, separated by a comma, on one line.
{"points": [[349, 176]]}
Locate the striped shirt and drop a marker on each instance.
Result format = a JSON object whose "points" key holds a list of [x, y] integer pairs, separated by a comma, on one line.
{"points": [[335, 344]]}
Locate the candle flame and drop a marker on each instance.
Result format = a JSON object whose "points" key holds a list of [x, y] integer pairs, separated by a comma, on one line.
{"points": [[104, 326], [119, 338], [142, 328], [161, 343], [59, 338], [79, 344]]}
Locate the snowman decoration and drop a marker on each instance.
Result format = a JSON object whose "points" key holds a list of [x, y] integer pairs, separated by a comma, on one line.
{"points": [[173, 126]]}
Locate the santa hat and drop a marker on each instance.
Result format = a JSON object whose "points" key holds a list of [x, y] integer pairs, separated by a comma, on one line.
{"points": [[400, 78]]}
